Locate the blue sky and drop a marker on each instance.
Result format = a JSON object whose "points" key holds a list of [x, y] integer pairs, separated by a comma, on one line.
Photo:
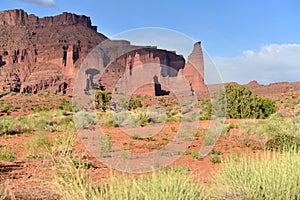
{"points": [[246, 39]]}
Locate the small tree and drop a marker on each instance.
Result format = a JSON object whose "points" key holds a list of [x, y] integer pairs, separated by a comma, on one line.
{"points": [[102, 100], [240, 103]]}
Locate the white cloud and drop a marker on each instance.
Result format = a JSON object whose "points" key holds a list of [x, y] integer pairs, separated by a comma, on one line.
{"points": [[272, 63], [40, 2]]}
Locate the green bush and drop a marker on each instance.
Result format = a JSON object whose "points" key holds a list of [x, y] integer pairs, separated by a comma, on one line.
{"points": [[282, 130], [65, 105], [130, 103], [239, 102], [102, 100], [139, 117], [85, 120], [281, 142], [266, 177], [205, 109]]}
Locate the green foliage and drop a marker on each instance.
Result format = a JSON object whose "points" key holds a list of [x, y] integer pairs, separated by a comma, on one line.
{"points": [[130, 103], [269, 177], [10, 125], [105, 143], [8, 108], [7, 155], [102, 100], [139, 117], [205, 109], [208, 138], [282, 130], [65, 105], [84, 120], [135, 103], [239, 102], [80, 162], [136, 137], [38, 146], [268, 107], [169, 183], [281, 142], [195, 154], [214, 159]]}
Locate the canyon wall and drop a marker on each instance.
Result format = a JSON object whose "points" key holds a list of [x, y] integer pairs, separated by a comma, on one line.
{"points": [[45, 54]]}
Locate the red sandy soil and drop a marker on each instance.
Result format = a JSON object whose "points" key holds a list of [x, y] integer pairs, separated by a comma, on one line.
{"points": [[31, 178]]}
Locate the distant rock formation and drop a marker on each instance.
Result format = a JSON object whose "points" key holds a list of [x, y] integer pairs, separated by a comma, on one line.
{"points": [[45, 54], [21, 18]]}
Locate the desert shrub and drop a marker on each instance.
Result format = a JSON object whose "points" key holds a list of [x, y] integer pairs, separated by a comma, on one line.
{"points": [[105, 143], [102, 100], [170, 183], [135, 103], [174, 117], [7, 155], [205, 109], [121, 118], [156, 116], [281, 142], [215, 159], [240, 102], [64, 142], [8, 108], [85, 120], [6, 124], [139, 117], [81, 162], [38, 146], [48, 121], [268, 107], [283, 130], [270, 176], [107, 119], [65, 105], [130, 103]]}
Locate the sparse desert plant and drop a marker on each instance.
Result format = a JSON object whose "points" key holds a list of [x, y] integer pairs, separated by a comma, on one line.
{"points": [[7, 155], [105, 144], [107, 119], [73, 182], [64, 143], [208, 138], [65, 105], [270, 176], [6, 194], [282, 130], [214, 159], [136, 137], [8, 108], [6, 124], [38, 146], [139, 117], [84, 120], [121, 118]]}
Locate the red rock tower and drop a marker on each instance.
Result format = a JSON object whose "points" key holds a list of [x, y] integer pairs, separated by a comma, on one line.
{"points": [[194, 68]]}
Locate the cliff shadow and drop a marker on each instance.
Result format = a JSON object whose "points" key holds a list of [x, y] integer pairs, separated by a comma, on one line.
{"points": [[157, 88]]}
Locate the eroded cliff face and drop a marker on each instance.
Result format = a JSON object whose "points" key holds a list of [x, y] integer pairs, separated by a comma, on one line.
{"points": [[43, 54]]}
